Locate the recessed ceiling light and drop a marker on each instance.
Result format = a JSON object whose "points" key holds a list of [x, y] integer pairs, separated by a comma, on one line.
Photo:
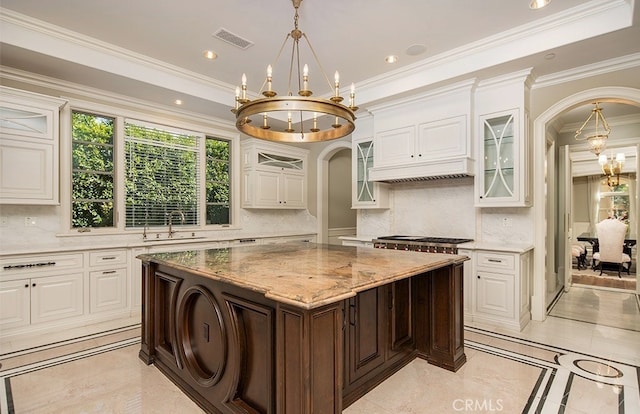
{"points": [[178, 101], [210, 54], [391, 59], [538, 4], [415, 50]]}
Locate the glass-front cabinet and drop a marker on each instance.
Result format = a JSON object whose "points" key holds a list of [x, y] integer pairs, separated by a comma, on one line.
{"points": [[366, 193], [503, 161]]}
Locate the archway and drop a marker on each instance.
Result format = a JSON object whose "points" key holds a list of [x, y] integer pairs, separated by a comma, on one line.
{"points": [[323, 186], [629, 96]]}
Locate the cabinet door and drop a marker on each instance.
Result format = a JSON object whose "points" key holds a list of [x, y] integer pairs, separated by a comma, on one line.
{"points": [[108, 290], [395, 147], [400, 304], [499, 152], [364, 161], [495, 294], [293, 190], [26, 172], [366, 336], [14, 304], [56, 297], [267, 191]]}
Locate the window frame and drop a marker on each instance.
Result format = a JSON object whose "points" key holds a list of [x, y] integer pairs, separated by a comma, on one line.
{"points": [[208, 128]]}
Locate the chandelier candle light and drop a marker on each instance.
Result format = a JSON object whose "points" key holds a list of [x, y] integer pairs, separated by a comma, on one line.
{"points": [[598, 140], [612, 168], [303, 107]]}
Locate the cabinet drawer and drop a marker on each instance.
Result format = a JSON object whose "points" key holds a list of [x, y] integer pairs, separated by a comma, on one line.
{"points": [[23, 265], [495, 260], [107, 257]]}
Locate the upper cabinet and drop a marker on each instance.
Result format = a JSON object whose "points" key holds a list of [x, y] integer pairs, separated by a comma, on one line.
{"points": [[503, 176], [365, 193], [29, 144], [424, 137], [274, 175]]}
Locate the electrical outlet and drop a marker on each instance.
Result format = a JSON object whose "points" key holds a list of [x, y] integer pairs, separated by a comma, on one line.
{"points": [[30, 221]]}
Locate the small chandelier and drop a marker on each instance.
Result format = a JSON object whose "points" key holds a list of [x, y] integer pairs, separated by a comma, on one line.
{"points": [[598, 140], [612, 168], [255, 118]]}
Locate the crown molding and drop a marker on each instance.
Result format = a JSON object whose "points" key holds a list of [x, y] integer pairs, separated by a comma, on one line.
{"points": [[98, 96], [588, 20], [587, 71], [51, 40]]}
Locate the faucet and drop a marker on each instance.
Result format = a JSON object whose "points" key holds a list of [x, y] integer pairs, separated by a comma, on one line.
{"points": [[170, 221]]}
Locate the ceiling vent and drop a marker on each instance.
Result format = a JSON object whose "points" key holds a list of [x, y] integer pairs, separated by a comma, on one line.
{"points": [[233, 39]]}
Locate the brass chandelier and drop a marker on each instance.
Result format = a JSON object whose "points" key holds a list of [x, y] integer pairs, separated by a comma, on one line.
{"points": [[598, 140], [302, 111], [612, 168]]}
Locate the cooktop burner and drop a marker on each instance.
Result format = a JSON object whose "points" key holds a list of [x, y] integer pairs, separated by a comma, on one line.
{"points": [[423, 239]]}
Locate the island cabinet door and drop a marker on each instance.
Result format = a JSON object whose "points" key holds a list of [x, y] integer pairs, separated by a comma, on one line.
{"points": [[365, 338], [400, 307]]}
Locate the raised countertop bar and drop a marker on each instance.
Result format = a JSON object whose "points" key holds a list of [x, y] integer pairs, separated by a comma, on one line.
{"points": [[305, 275]]}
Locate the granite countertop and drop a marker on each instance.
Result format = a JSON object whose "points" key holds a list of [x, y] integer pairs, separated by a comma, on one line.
{"points": [[305, 275]]}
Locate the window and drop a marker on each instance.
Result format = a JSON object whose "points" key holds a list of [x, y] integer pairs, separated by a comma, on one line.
{"points": [[162, 175], [166, 174], [92, 195], [218, 181]]}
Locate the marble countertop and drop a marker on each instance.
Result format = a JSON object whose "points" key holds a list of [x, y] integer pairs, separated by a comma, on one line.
{"points": [[497, 246], [305, 275]]}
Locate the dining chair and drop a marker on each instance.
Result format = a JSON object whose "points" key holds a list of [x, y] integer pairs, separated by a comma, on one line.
{"points": [[611, 234], [579, 251]]}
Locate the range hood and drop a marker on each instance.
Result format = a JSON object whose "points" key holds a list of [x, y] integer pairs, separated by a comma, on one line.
{"points": [[428, 170]]}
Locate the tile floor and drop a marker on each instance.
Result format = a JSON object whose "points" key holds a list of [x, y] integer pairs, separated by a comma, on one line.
{"points": [[556, 366]]}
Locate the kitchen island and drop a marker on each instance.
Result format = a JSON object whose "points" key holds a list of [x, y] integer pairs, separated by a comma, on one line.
{"points": [[297, 327]]}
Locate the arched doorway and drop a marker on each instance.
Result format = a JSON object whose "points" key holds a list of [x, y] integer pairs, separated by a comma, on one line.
{"points": [[542, 154], [323, 186]]}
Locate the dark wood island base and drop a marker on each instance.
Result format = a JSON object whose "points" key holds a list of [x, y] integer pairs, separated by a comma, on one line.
{"points": [[234, 349]]}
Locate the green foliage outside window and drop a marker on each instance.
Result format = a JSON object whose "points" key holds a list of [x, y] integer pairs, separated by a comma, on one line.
{"points": [[92, 198], [218, 181], [162, 175]]}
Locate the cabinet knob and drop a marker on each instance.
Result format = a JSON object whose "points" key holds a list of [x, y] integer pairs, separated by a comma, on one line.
{"points": [[411, 155], [33, 285], [419, 155], [478, 276], [26, 285]]}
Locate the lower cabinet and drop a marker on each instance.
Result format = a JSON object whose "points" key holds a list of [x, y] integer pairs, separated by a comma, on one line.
{"points": [[47, 292], [108, 290], [502, 281], [378, 335], [36, 300]]}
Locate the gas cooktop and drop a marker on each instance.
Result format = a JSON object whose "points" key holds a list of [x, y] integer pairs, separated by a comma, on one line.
{"points": [[423, 239]]}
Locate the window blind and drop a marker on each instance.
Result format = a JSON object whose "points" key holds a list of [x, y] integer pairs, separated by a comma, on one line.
{"points": [[162, 175]]}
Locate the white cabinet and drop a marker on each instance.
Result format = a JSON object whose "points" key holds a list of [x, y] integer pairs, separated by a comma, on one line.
{"points": [[56, 297], [40, 299], [28, 147], [15, 304], [425, 136], [108, 290], [108, 280], [502, 288], [46, 292], [503, 178], [274, 176], [366, 193]]}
